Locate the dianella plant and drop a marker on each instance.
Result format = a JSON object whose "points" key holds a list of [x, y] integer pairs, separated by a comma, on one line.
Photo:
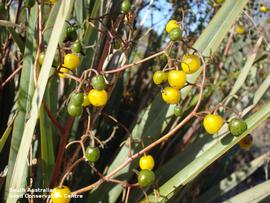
{"points": [[134, 101]]}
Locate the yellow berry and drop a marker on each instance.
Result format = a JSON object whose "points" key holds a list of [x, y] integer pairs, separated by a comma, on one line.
{"points": [[53, 1], [147, 162], [246, 142], [177, 79], [171, 25], [171, 95], [62, 71], [86, 101], [71, 61], [240, 29], [263, 9], [191, 63], [98, 98], [212, 123], [160, 77], [61, 195]]}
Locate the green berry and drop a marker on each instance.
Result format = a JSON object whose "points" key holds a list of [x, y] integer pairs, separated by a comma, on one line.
{"points": [[71, 33], [76, 47], [237, 126], [74, 110], [146, 178], [76, 99], [29, 3], [175, 34], [92, 153], [98, 82], [125, 6], [41, 58], [178, 111]]}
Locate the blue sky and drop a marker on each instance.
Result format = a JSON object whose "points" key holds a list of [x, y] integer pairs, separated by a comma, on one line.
{"points": [[159, 17]]}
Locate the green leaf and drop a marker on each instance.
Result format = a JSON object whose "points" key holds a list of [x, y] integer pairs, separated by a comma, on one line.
{"points": [[18, 175], [6, 134], [232, 180], [259, 193], [24, 96], [17, 39]]}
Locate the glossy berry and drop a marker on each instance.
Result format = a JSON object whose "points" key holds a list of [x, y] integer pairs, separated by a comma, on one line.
{"points": [[146, 178], [125, 6], [41, 58], [76, 99], [62, 71], [76, 47], [147, 162], [263, 9], [175, 34], [98, 98], [178, 111], [160, 77], [74, 110], [246, 142], [171, 25], [92, 153], [86, 101], [191, 63], [171, 95], [71, 33], [29, 3], [60, 194], [98, 82], [177, 79], [71, 61], [212, 123], [237, 126], [240, 29]]}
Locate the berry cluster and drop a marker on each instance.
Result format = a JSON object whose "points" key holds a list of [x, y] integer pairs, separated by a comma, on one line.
{"points": [[146, 176], [173, 28], [97, 96]]}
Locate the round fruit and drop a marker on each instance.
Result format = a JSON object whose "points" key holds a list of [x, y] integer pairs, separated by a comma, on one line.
{"points": [[178, 111], [125, 6], [53, 1], [76, 99], [212, 123], [71, 61], [246, 142], [60, 194], [240, 29], [263, 9], [98, 82], [171, 95], [98, 98], [76, 47], [74, 110], [237, 126], [160, 77], [86, 101], [29, 3], [191, 63], [177, 79], [175, 34], [41, 58], [71, 33], [92, 153], [171, 25], [147, 162], [62, 71], [146, 178]]}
